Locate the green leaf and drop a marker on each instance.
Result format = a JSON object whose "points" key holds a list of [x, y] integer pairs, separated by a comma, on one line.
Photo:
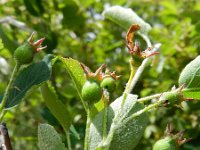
{"points": [[127, 134], [49, 139], [57, 108], [33, 75], [125, 17], [75, 71], [190, 76]]}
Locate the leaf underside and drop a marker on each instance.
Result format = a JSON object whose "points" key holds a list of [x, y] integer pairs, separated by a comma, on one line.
{"points": [[33, 75]]}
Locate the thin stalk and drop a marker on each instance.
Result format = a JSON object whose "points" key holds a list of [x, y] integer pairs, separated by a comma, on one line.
{"points": [[87, 131], [144, 99], [138, 113], [128, 87], [106, 99], [68, 141], [6, 94]]}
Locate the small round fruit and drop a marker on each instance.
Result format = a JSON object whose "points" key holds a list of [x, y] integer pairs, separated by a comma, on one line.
{"points": [[172, 98], [24, 54], [108, 83], [91, 92], [165, 144]]}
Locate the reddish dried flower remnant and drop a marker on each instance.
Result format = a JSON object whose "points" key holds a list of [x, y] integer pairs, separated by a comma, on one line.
{"points": [[174, 98], [24, 53], [38, 44], [99, 74], [133, 47]]}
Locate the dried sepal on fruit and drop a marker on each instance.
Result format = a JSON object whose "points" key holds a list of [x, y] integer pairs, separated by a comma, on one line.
{"points": [[91, 91], [174, 97], [134, 47], [109, 80], [97, 75], [24, 54], [170, 141], [36, 45]]}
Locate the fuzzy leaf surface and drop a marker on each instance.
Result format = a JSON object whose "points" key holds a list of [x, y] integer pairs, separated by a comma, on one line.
{"points": [[190, 76], [127, 134], [125, 17], [49, 139]]}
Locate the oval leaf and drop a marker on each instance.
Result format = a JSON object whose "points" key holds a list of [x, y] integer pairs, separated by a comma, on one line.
{"points": [[33, 75], [125, 17], [57, 108], [127, 134], [190, 76], [49, 139], [75, 71]]}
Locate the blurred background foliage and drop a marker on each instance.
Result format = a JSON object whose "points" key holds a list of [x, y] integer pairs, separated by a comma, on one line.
{"points": [[77, 29]]}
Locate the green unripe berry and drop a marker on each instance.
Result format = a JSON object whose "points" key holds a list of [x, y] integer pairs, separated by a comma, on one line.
{"points": [[172, 98], [108, 83], [91, 92], [167, 143], [24, 54]]}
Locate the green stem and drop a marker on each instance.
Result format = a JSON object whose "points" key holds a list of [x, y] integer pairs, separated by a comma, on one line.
{"points": [[6, 94], [128, 90], [68, 141], [138, 113], [87, 131], [106, 99], [144, 99]]}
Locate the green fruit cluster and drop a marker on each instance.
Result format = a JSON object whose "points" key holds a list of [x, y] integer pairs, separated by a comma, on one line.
{"points": [[92, 90]]}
